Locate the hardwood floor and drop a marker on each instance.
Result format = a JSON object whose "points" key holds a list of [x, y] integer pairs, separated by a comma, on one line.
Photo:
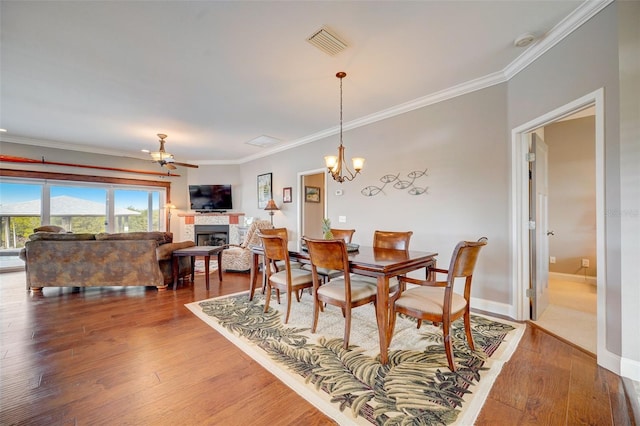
{"points": [[138, 356]]}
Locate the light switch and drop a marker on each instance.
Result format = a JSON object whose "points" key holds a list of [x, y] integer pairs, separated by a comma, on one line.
{"points": [[338, 192], [342, 219]]}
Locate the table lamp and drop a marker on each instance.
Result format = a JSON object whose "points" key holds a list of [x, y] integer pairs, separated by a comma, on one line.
{"points": [[271, 208]]}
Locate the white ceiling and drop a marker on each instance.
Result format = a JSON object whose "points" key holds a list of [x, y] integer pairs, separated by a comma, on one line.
{"points": [[106, 76]]}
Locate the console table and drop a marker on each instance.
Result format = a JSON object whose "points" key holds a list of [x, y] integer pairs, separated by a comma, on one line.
{"points": [[207, 252]]}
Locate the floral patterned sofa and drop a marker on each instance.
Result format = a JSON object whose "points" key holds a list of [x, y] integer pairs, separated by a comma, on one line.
{"points": [[56, 259]]}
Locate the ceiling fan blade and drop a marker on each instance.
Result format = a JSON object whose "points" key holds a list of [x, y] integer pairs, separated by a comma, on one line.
{"points": [[169, 166], [186, 165]]}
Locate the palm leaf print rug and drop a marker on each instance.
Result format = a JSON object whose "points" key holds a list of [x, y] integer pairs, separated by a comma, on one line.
{"points": [[351, 386]]}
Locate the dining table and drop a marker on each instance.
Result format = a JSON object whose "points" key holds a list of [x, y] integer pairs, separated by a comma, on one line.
{"points": [[381, 264]]}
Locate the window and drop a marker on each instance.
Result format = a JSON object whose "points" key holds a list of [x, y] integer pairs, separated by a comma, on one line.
{"points": [[77, 206]]}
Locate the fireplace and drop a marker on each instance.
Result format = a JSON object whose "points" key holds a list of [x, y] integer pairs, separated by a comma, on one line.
{"points": [[211, 235]]}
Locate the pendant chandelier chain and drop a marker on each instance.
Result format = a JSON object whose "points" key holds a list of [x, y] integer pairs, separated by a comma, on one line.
{"points": [[336, 163]]}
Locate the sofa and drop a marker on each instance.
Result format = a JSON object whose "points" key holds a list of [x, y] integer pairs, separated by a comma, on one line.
{"points": [[56, 259]]}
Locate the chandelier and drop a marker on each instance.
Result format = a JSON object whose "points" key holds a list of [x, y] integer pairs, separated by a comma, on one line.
{"points": [[334, 163]]}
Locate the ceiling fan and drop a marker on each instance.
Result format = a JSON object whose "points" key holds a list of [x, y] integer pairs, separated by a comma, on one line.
{"points": [[166, 159]]}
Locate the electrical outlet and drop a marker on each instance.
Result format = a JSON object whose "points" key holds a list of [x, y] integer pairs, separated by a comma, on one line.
{"points": [[585, 263], [552, 259], [342, 219]]}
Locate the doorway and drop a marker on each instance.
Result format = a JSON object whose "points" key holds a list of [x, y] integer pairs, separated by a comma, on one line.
{"points": [[312, 202], [520, 249], [563, 243]]}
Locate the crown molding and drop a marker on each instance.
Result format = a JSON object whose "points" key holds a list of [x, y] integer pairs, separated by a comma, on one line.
{"points": [[46, 143], [573, 21], [569, 24]]}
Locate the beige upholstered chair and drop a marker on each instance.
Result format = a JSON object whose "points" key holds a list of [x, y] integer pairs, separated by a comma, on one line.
{"points": [[436, 301], [346, 292], [290, 280], [239, 257]]}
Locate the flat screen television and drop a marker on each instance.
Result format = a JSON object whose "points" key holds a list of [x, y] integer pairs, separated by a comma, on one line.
{"points": [[210, 198]]}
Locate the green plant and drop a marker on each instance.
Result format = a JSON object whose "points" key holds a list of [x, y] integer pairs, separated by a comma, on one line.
{"points": [[326, 229]]}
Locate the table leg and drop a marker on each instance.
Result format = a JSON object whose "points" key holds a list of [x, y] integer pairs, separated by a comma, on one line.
{"points": [[254, 274], [174, 271], [206, 270], [193, 269], [382, 317], [220, 265]]}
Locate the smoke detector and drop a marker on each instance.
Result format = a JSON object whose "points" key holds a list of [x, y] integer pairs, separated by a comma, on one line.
{"points": [[327, 41], [524, 40]]}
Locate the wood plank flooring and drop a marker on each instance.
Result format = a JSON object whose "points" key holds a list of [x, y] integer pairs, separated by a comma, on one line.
{"points": [[138, 356]]}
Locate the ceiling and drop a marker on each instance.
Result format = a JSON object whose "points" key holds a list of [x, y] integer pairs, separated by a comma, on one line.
{"points": [[107, 76]]}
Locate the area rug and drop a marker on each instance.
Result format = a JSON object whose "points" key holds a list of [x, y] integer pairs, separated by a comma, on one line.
{"points": [[352, 386], [198, 266]]}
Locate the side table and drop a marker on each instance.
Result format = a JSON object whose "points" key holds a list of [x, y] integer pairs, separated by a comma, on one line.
{"points": [[207, 252]]}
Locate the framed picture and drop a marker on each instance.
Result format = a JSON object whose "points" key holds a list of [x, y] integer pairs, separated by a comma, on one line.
{"points": [[311, 194], [286, 195], [264, 190]]}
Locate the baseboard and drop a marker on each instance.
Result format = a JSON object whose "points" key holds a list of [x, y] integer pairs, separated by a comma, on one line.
{"points": [[573, 278], [492, 307]]}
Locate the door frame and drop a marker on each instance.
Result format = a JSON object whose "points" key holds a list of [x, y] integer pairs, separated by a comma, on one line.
{"points": [[300, 197], [519, 187]]}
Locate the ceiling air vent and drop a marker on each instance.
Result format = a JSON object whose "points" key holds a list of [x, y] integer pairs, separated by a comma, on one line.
{"points": [[326, 41], [263, 141]]}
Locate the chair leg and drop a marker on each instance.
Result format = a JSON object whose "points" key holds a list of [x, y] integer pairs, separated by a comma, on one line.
{"points": [[286, 319], [267, 298], [446, 331], [419, 323], [347, 326], [467, 330], [316, 310]]}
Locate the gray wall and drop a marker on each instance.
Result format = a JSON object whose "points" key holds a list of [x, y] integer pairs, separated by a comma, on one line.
{"points": [[552, 81], [572, 196], [464, 143]]}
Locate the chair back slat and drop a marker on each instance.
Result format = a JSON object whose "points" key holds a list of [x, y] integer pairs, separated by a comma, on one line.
{"points": [[329, 254], [280, 232], [343, 234], [464, 258], [392, 239], [275, 247]]}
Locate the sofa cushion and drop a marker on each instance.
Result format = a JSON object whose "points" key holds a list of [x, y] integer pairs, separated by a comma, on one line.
{"points": [[55, 236], [159, 237]]}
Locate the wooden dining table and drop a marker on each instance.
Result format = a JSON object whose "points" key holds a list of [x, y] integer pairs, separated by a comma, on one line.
{"points": [[378, 263]]}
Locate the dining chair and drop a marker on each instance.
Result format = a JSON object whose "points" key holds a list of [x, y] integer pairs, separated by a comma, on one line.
{"points": [[436, 301], [343, 234], [288, 279], [346, 292], [282, 233], [392, 239], [338, 234]]}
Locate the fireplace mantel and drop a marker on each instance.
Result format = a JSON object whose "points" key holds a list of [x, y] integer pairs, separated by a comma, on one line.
{"points": [[231, 219]]}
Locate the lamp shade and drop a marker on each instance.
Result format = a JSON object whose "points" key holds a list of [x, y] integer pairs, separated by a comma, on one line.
{"points": [[271, 205]]}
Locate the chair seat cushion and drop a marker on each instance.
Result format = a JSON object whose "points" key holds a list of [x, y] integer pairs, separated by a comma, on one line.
{"points": [[331, 273], [429, 300], [298, 277], [335, 289]]}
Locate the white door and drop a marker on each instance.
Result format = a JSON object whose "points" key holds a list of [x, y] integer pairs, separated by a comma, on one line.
{"points": [[539, 213]]}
